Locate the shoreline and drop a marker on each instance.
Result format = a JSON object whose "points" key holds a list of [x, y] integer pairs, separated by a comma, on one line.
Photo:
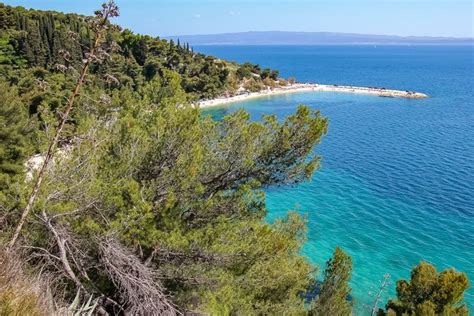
{"points": [[309, 87]]}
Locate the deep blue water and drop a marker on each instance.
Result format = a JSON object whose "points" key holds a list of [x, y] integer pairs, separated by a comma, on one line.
{"points": [[397, 179]]}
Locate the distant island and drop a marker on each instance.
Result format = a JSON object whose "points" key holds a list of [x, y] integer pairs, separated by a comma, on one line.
{"points": [[315, 38]]}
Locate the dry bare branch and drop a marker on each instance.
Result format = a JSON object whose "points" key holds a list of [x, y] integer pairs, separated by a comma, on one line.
{"points": [[138, 284]]}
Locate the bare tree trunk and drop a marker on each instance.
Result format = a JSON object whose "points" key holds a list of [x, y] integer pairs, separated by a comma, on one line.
{"points": [[374, 310], [54, 143]]}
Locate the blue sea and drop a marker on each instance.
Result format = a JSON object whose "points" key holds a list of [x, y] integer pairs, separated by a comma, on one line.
{"points": [[396, 184]]}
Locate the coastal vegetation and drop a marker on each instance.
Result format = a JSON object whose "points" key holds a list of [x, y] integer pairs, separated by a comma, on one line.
{"points": [[31, 38], [141, 204], [429, 292]]}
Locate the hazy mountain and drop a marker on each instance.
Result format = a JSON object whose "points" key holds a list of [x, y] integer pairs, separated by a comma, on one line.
{"points": [[314, 38]]}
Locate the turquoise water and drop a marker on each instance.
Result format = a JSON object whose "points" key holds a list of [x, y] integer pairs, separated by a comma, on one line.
{"points": [[397, 179]]}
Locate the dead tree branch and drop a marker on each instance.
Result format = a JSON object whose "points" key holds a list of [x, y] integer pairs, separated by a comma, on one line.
{"points": [[137, 283]]}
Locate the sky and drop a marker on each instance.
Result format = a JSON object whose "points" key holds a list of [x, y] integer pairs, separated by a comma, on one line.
{"points": [[453, 18]]}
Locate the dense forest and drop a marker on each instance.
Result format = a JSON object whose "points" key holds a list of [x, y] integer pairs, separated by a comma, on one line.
{"points": [[118, 196]]}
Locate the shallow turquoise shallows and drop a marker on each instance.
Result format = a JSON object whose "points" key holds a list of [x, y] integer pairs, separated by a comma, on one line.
{"points": [[396, 184]]}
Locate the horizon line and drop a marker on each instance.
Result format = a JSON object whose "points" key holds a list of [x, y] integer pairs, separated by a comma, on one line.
{"points": [[325, 32]]}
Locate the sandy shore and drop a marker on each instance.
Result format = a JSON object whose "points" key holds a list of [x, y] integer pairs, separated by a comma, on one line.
{"points": [[307, 87]]}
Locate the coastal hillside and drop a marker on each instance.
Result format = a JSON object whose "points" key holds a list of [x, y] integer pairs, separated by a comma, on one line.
{"points": [[31, 38], [119, 196], [316, 38]]}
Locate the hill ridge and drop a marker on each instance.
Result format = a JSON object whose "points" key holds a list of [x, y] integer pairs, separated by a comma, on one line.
{"points": [[308, 38]]}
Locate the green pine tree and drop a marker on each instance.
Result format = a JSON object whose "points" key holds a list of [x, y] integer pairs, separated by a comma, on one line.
{"points": [[335, 291], [15, 146], [429, 292]]}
